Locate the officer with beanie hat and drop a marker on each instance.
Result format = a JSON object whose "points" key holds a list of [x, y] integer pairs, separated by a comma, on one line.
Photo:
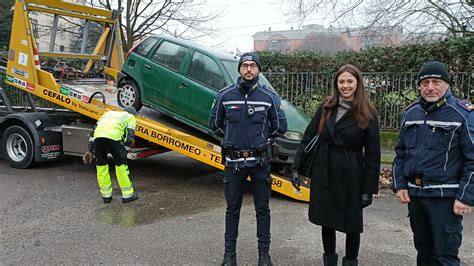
{"points": [[247, 114], [433, 69], [113, 133], [433, 167]]}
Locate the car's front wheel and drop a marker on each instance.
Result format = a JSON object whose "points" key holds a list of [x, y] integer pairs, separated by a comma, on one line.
{"points": [[129, 95]]}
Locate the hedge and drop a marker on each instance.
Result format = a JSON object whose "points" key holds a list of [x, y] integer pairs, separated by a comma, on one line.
{"points": [[457, 53]]}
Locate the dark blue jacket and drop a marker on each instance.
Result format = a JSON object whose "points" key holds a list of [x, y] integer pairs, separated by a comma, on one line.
{"points": [[229, 118], [436, 145]]}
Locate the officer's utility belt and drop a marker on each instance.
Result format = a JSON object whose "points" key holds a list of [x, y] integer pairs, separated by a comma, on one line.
{"points": [[260, 152], [238, 154], [417, 182]]}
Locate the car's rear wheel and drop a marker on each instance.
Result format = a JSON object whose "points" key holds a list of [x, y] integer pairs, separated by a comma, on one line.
{"points": [[17, 146], [129, 95]]}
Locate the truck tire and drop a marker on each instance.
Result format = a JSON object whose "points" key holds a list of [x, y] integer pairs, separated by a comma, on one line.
{"points": [[129, 95], [17, 147]]}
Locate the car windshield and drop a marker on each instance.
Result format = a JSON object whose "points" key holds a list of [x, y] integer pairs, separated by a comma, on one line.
{"points": [[231, 66]]}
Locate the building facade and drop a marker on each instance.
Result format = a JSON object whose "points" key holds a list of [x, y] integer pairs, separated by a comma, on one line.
{"points": [[316, 38]]}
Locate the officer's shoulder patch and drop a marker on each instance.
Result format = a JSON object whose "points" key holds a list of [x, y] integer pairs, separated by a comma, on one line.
{"points": [[270, 89], [411, 105], [225, 88], [465, 104]]}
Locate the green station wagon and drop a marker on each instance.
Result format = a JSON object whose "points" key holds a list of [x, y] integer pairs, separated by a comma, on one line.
{"points": [[180, 79]]}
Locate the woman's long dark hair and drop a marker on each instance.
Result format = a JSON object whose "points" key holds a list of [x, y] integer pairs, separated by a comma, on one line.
{"points": [[361, 106]]}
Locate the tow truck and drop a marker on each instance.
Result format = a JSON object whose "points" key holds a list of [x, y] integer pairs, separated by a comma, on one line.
{"points": [[38, 135]]}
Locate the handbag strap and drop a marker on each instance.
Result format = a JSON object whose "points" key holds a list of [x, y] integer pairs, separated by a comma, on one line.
{"points": [[313, 142], [323, 119]]}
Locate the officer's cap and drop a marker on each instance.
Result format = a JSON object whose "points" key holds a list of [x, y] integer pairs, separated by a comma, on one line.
{"points": [[433, 69], [250, 57]]}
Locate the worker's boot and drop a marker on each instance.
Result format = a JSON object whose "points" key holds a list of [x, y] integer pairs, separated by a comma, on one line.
{"points": [[330, 260], [132, 198], [229, 259], [107, 200], [349, 262], [264, 259]]}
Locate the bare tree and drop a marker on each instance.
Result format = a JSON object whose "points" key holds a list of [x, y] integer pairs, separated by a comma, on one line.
{"points": [[181, 18], [446, 17]]}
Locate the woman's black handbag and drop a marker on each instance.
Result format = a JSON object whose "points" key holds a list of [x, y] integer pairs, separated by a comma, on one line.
{"points": [[309, 152], [307, 158]]}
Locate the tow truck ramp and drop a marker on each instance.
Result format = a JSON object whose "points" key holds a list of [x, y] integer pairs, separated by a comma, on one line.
{"points": [[25, 73]]}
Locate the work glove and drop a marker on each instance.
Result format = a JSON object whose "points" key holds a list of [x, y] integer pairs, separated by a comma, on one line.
{"points": [[87, 158], [366, 200], [295, 180]]}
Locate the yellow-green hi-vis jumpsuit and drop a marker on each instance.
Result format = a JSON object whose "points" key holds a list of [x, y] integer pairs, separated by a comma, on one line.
{"points": [[113, 132]]}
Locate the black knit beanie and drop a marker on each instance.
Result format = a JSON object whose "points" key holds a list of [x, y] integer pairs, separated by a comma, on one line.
{"points": [[433, 69], [250, 57]]}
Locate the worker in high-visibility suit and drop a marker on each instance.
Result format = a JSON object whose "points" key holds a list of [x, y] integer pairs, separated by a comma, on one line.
{"points": [[113, 133]]}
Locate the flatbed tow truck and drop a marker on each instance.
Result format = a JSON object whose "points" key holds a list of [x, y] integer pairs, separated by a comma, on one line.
{"points": [[39, 135]]}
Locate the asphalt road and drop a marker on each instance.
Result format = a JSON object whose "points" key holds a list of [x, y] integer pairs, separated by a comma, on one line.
{"points": [[53, 214]]}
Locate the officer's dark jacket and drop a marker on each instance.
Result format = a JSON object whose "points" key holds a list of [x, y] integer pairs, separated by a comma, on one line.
{"points": [[243, 131], [436, 146]]}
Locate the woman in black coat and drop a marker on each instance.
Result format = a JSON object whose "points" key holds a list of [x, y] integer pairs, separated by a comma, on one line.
{"points": [[343, 164]]}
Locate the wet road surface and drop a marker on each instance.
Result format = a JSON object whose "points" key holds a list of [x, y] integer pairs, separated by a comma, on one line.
{"points": [[53, 214]]}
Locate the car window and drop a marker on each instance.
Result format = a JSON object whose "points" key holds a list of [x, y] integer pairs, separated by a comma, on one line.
{"points": [[232, 68], [144, 47], [170, 55], [206, 71]]}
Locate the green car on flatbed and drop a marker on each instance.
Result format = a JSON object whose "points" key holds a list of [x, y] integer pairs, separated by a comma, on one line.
{"points": [[181, 79]]}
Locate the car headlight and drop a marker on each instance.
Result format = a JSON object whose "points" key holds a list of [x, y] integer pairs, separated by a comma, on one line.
{"points": [[293, 135]]}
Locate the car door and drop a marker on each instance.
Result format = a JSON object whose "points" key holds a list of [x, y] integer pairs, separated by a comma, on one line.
{"points": [[161, 75], [201, 83]]}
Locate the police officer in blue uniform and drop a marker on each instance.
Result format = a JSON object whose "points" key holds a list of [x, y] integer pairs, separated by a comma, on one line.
{"points": [[433, 170], [247, 115]]}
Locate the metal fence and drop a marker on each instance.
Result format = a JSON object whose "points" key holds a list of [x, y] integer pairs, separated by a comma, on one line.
{"points": [[390, 92]]}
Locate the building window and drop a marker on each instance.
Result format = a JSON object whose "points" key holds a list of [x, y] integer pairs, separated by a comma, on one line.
{"points": [[277, 45]]}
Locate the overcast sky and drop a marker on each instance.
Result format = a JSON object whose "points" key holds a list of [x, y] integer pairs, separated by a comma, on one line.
{"points": [[243, 18]]}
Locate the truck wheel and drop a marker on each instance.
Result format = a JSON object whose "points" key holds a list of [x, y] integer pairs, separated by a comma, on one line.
{"points": [[17, 146], [129, 95]]}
